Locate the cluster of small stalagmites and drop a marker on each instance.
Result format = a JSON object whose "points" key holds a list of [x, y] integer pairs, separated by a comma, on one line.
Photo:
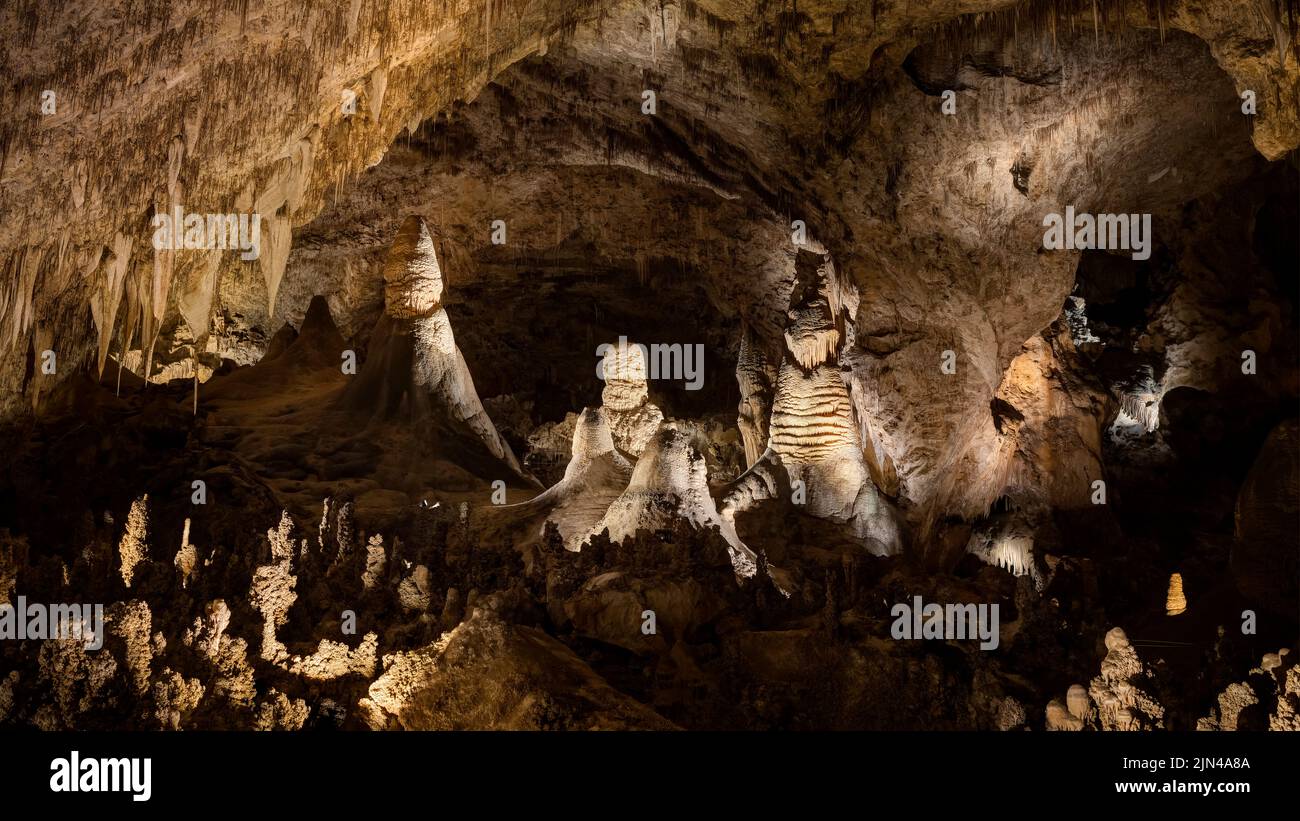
{"points": [[1112, 701], [1074, 713], [1121, 705], [273, 592], [226, 657], [334, 659], [1272, 689], [76, 679], [82, 681], [280, 712], [135, 676]]}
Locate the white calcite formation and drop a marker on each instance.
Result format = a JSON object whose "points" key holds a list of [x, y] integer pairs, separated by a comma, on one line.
{"points": [[1121, 705], [631, 417], [1139, 405], [1112, 701], [415, 367], [1006, 542], [814, 433], [595, 476], [670, 481], [756, 379]]}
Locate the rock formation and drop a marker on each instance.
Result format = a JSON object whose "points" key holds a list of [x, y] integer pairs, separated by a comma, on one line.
{"points": [[414, 367], [625, 399], [814, 432], [670, 482], [1175, 601], [595, 476], [1114, 700]]}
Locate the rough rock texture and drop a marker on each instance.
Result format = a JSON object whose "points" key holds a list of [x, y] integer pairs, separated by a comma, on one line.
{"points": [[487, 674], [902, 391], [631, 417], [596, 475], [1264, 559], [670, 483], [1119, 704]]}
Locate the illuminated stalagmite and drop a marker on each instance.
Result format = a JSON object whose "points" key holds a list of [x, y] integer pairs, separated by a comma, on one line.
{"points": [[594, 478], [813, 434], [1175, 601], [670, 481], [414, 369], [625, 399]]}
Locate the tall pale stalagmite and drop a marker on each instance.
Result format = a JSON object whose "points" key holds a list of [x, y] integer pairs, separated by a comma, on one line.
{"points": [[414, 367], [812, 433]]}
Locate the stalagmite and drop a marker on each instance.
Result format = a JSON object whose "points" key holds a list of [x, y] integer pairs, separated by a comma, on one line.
{"points": [[186, 557], [756, 379], [670, 481], [206, 632], [272, 590], [376, 562], [1076, 698], [625, 399], [134, 546], [131, 621], [414, 366], [1121, 705], [1175, 601], [595, 476], [813, 434], [1060, 718]]}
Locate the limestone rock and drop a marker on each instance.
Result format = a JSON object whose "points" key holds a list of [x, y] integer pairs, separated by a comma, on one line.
{"points": [[1175, 601], [487, 674], [134, 545], [669, 482], [414, 366], [625, 399], [595, 476]]}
